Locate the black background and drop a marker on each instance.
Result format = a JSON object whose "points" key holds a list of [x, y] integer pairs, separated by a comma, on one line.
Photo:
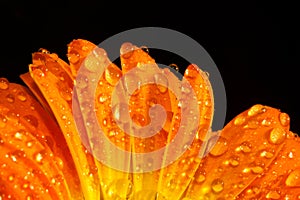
{"points": [[255, 46]]}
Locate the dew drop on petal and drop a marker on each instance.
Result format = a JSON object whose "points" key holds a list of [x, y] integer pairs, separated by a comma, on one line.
{"points": [[10, 98], [102, 98], [273, 195], [120, 189], [284, 119], [3, 121], [257, 170], [266, 154], [161, 82], [256, 109], [58, 161], [73, 57], [174, 66], [66, 93], [131, 83], [234, 161], [217, 185], [39, 157], [277, 135], [4, 83], [126, 50], [112, 75], [244, 147], [200, 176], [21, 96], [81, 81], [239, 120], [293, 180], [31, 120], [220, 147]]}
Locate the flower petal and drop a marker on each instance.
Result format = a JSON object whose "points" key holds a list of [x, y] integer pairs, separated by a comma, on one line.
{"points": [[34, 156], [57, 86], [247, 148]]}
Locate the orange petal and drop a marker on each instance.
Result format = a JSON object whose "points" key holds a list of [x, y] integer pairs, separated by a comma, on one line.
{"points": [[57, 86], [282, 179], [114, 183], [78, 50], [176, 177], [245, 150], [31, 139]]}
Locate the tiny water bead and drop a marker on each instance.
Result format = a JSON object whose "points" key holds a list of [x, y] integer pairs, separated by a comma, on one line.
{"points": [[32, 120], [277, 135], [293, 179], [284, 119], [10, 98], [217, 185], [126, 50], [220, 147], [4, 83], [73, 57], [174, 66], [256, 109]]}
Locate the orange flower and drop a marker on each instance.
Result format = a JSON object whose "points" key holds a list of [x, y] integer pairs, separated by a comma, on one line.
{"points": [[46, 153]]}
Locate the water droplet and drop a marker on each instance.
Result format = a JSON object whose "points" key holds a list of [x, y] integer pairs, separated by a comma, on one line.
{"points": [[31, 120], [112, 75], [245, 147], [131, 83], [266, 122], [11, 177], [121, 113], [220, 147], [273, 195], [102, 97], [145, 49], [13, 116], [139, 119], [17, 154], [284, 119], [81, 81], [21, 96], [256, 109], [293, 180], [45, 51], [257, 169], [4, 83], [217, 185], [277, 135], [266, 154], [126, 50], [91, 63], [39, 157], [30, 143], [66, 93], [200, 176], [10, 98], [1, 141], [58, 161], [57, 180], [191, 73], [3, 121], [239, 120], [73, 57], [161, 82], [19, 135], [120, 189], [174, 66], [234, 161]]}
